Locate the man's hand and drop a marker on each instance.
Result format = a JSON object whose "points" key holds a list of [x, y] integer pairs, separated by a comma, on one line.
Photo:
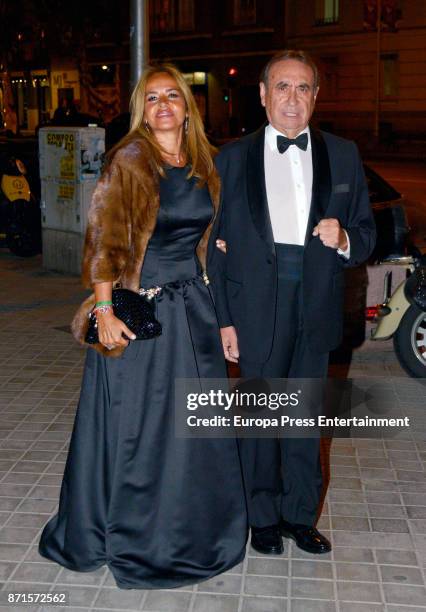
{"points": [[230, 343], [331, 234], [221, 245]]}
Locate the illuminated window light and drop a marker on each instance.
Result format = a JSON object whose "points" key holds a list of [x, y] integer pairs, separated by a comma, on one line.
{"points": [[189, 77], [199, 78]]}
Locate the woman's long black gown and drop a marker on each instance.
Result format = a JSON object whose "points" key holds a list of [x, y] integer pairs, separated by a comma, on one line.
{"points": [[160, 511]]}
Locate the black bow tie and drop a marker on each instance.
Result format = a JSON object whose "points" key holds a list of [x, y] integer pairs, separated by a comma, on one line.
{"points": [[301, 141]]}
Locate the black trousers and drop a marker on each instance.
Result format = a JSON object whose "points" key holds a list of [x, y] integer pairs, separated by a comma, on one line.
{"points": [[282, 476]]}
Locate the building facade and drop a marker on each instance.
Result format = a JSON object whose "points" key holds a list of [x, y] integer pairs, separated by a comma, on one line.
{"points": [[371, 55], [373, 79], [229, 41]]}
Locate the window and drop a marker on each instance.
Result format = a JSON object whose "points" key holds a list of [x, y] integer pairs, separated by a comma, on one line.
{"points": [[185, 16], [21, 95], [244, 12], [326, 12], [103, 74], [162, 15], [171, 15], [389, 75], [390, 15]]}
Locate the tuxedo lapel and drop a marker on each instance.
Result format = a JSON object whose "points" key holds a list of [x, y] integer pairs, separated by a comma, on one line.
{"points": [[321, 182], [256, 187]]}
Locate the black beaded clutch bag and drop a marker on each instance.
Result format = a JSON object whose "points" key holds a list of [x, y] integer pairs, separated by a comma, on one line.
{"points": [[135, 310]]}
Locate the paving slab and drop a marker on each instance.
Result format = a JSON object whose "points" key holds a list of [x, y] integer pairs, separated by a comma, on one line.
{"points": [[374, 511]]}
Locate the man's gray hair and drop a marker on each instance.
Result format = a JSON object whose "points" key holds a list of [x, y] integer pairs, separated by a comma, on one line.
{"points": [[290, 54]]}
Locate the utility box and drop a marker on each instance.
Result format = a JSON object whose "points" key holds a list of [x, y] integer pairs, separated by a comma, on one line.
{"points": [[70, 164]]}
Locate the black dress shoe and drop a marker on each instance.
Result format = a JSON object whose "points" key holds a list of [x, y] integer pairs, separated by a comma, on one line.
{"points": [[306, 537], [267, 540]]}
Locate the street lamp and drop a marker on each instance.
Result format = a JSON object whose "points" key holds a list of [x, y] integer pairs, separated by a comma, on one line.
{"points": [[377, 106], [139, 39]]}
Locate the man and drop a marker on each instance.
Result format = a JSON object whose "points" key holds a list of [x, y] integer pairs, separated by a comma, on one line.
{"points": [[295, 213]]}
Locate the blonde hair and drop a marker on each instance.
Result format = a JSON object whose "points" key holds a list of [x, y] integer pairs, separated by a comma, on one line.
{"points": [[199, 152]]}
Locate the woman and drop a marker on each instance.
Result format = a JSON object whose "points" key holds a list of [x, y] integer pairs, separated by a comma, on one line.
{"points": [[161, 511]]}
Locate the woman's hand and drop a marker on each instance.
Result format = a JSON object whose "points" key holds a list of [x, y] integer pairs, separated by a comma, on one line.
{"points": [[111, 330]]}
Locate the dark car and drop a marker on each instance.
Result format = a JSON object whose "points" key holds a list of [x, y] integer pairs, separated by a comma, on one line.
{"points": [[389, 209]]}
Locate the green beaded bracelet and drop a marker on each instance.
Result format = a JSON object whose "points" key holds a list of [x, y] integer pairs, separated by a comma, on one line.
{"points": [[104, 303]]}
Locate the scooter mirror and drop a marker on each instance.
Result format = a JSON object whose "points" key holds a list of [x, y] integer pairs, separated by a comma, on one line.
{"points": [[21, 166]]}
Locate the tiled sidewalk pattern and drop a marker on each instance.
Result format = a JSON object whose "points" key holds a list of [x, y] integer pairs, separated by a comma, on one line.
{"points": [[375, 513]]}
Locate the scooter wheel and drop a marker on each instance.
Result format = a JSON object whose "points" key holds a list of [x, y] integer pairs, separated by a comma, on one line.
{"points": [[410, 342]]}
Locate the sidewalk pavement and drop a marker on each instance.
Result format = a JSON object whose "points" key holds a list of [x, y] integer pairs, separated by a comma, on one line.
{"points": [[374, 513]]}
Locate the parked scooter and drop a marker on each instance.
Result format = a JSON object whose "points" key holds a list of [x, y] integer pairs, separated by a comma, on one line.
{"points": [[402, 315], [20, 224]]}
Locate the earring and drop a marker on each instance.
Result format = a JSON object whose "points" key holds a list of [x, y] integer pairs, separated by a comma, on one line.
{"points": [[146, 126], [185, 125]]}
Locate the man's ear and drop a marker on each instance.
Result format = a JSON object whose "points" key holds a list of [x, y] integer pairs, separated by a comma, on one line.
{"points": [[316, 93], [262, 91]]}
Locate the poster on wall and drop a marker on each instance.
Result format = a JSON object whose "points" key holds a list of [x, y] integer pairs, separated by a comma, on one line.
{"points": [[75, 154], [92, 152], [59, 155]]}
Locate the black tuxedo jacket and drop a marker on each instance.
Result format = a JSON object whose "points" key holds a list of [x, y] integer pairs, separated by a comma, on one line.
{"points": [[244, 280]]}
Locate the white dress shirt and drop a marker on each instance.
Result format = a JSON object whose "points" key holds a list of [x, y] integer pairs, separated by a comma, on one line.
{"points": [[288, 178]]}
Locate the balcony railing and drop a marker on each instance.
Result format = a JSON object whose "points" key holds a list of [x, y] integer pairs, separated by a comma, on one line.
{"points": [[324, 21]]}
